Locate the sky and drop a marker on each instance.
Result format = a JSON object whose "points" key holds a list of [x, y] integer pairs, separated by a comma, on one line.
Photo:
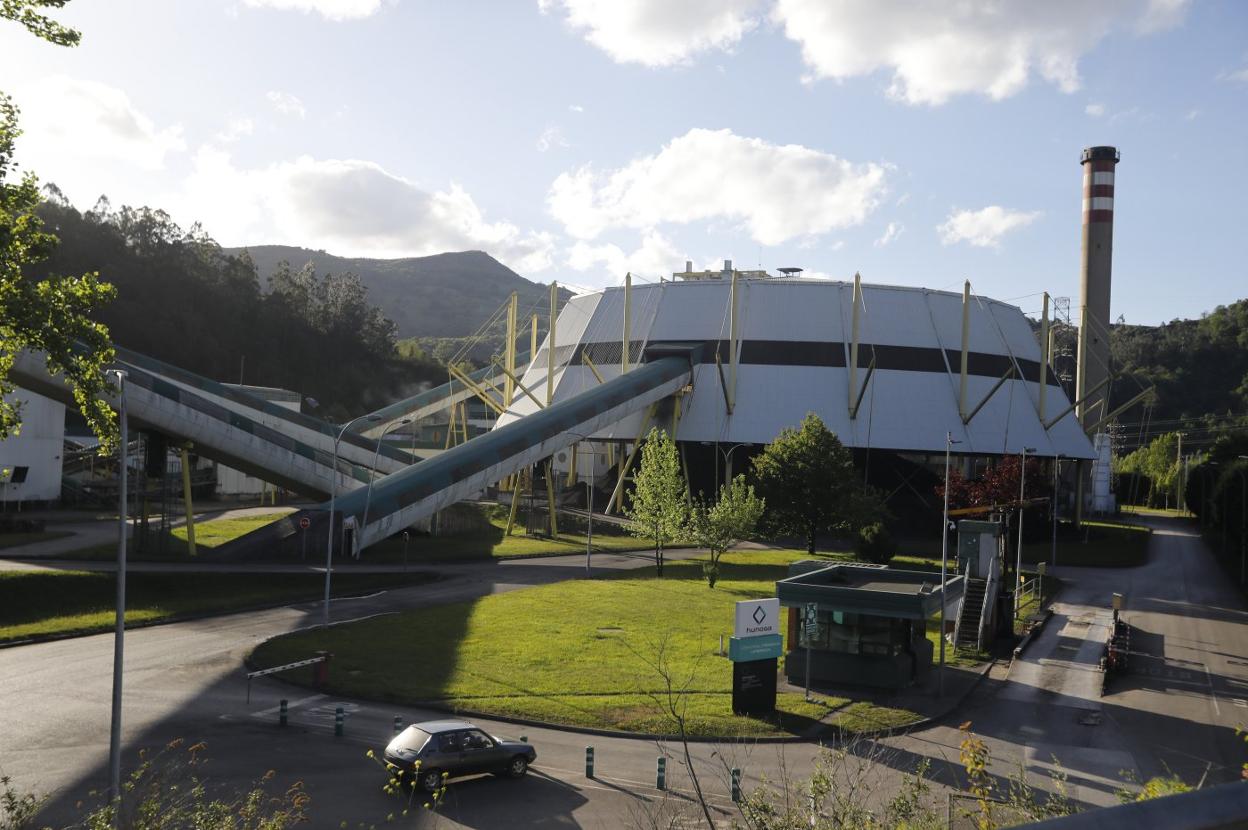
{"points": [[917, 143]]}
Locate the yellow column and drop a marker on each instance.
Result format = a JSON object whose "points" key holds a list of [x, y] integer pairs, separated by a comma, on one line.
{"points": [[186, 500]]}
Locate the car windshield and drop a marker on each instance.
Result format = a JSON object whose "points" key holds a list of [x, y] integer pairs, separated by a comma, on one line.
{"points": [[413, 738]]}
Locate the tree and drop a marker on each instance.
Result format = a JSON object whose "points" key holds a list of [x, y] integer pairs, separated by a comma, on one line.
{"points": [[658, 507], [807, 478], [731, 518], [52, 315]]}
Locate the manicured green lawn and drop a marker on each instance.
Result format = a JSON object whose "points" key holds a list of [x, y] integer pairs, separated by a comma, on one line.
{"points": [[208, 535], [37, 603], [582, 653], [1103, 544], [487, 540]]}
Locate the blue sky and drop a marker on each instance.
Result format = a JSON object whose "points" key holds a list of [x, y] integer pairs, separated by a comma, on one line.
{"points": [[577, 139]]}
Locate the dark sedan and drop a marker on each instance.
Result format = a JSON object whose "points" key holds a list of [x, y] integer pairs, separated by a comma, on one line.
{"points": [[424, 751]]}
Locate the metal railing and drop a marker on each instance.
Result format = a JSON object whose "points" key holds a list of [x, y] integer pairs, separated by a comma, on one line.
{"points": [[990, 598]]}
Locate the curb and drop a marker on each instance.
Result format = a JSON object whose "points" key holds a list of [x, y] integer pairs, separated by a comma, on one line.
{"points": [[180, 618]]}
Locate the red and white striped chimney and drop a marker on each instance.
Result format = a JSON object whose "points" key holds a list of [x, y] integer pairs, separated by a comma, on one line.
{"points": [[1099, 164]]}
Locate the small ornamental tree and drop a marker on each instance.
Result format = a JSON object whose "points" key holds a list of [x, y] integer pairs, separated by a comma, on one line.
{"points": [[658, 507], [807, 478], [730, 519]]}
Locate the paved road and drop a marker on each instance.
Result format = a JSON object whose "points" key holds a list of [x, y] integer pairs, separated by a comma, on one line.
{"points": [[1179, 708]]}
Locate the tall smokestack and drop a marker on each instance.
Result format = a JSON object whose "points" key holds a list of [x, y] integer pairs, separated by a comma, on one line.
{"points": [[1099, 164]]}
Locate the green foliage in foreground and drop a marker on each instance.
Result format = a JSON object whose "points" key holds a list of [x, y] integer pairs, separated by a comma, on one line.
{"points": [[574, 652], [39, 603]]}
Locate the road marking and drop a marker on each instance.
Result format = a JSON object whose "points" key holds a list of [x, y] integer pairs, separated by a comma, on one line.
{"points": [[1243, 704], [273, 710], [1217, 710]]}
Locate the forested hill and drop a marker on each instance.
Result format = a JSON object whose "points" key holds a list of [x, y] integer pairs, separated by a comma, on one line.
{"points": [[446, 295], [1200, 367], [182, 299]]}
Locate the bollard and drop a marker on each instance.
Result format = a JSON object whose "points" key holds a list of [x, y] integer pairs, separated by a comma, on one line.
{"points": [[524, 739], [736, 786], [661, 781], [281, 713], [589, 762], [398, 724], [338, 717]]}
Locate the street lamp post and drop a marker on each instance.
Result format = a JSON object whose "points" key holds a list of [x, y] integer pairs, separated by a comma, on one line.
{"points": [[944, 562], [368, 496], [333, 498], [1018, 554], [119, 636]]}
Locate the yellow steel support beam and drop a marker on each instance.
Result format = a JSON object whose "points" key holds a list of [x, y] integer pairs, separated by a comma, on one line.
{"points": [[853, 409], [1009, 373], [509, 353], [1078, 401], [522, 387], [550, 343], [572, 469], [1119, 410], [585, 359], [186, 500], [515, 501], [618, 493], [473, 387], [550, 499]]}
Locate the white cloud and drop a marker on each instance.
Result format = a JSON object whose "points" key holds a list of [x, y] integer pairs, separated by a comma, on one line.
{"points": [[236, 129], [657, 32], [551, 137], [329, 9], [285, 103], [350, 207], [654, 257], [777, 192], [890, 234], [1240, 75], [78, 133], [1191, 115], [575, 108], [984, 228], [938, 50], [1095, 110]]}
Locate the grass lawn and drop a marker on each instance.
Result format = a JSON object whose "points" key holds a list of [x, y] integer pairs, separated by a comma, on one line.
{"points": [[1103, 544], [580, 653], [209, 534], [487, 540], [36, 603], [12, 540], [1167, 512]]}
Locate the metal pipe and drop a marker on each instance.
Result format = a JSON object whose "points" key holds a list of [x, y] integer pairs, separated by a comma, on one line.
{"points": [[1059, 416], [1053, 555], [1018, 562], [509, 353], [944, 563], [119, 631], [966, 419], [550, 344], [866, 381]]}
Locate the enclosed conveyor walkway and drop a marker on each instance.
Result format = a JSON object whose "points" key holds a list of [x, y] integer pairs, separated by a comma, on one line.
{"points": [[401, 499], [301, 462]]}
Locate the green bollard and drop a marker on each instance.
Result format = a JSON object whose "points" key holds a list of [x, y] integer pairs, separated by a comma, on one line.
{"points": [[338, 718], [281, 713], [589, 762], [398, 724], [661, 783], [736, 786]]}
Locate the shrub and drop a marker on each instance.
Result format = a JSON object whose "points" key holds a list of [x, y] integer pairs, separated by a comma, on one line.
{"points": [[876, 544]]}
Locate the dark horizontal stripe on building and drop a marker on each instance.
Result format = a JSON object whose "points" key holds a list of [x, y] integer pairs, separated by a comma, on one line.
{"points": [[825, 354]]}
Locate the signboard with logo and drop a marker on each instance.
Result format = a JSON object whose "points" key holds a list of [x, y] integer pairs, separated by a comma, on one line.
{"points": [[757, 618]]}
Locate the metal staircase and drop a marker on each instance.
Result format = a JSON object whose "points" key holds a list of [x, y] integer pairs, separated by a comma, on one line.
{"points": [[968, 629]]}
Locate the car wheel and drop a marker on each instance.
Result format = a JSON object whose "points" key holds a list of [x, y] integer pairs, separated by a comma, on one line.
{"points": [[430, 780], [517, 767]]}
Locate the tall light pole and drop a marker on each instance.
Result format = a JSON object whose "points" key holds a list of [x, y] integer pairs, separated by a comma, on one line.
{"points": [[119, 636], [944, 562], [333, 498], [1018, 560], [368, 496]]}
